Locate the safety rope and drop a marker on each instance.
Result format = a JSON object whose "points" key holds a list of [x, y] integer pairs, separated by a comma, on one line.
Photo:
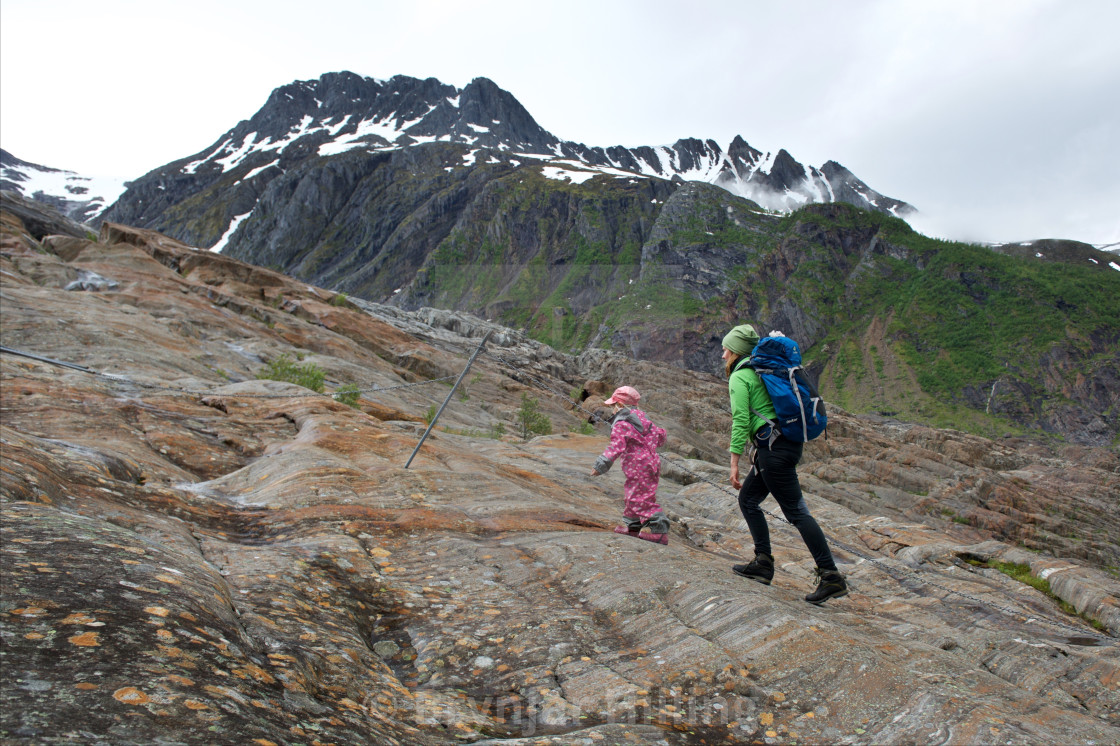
{"points": [[893, 571], [125, 381]]}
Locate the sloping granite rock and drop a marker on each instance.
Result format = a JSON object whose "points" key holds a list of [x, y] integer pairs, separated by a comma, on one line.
{"points": [[192, 555]]}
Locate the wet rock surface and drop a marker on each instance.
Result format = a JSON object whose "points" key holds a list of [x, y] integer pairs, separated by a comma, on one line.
{"points": [[192, 555]]}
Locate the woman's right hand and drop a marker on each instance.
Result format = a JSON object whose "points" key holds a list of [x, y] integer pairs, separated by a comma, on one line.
{"points": [[735, 481]]}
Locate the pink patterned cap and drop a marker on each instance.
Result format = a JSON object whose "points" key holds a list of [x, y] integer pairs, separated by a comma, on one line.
{"points": [[625, 395]]}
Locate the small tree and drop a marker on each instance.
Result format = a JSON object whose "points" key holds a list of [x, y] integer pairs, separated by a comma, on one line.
{"points": [[530, 420]]}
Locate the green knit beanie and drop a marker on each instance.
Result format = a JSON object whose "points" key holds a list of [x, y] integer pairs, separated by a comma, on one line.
{"points": [[741, 340]]}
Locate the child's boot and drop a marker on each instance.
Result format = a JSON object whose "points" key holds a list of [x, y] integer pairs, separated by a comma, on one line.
{"points": [[658, 526], [632, 528]]}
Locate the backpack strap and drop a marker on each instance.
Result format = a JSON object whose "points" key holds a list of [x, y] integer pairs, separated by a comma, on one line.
{"points": [[775, 431]]}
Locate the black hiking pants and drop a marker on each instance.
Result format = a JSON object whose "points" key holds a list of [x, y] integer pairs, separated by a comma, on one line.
{"points": [[775, 473]]}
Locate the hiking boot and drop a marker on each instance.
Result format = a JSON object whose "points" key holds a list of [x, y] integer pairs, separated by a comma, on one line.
{"points": [[761, 568], [655, 538], [831, 585], [626, 530]]}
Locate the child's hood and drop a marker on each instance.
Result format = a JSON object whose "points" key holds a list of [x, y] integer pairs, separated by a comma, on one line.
{"points": [[635, 417]]}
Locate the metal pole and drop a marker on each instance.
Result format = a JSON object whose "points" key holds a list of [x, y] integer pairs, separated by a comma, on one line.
{"points": [[449, 395], [46, 360]]}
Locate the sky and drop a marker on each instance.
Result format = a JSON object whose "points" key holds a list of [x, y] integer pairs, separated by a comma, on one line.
{"points": [[998, 119]]}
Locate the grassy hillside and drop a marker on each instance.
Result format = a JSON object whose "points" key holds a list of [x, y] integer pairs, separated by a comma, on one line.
{"points": [[958, 335]]}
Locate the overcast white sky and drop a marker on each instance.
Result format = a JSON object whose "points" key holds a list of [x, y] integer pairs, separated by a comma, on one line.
{"points": [[998, 119]]}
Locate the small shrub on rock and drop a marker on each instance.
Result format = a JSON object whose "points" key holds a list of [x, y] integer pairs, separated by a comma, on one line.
{"points": [[283, 368], [348, 395]]}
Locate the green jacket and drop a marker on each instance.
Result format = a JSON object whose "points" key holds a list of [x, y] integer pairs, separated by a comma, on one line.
{"points": [[747, 392]]}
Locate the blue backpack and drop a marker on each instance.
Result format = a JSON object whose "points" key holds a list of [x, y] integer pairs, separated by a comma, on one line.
{"points": [[800, 409]]}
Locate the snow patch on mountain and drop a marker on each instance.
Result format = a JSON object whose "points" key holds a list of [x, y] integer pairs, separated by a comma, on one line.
{"points": [[80, 198], [237, 220]]}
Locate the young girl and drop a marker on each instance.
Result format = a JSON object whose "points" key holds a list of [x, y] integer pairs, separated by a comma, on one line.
{"points": [[636, 439]]}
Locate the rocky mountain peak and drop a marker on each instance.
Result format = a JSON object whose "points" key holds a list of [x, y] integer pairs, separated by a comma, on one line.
{"points": [[743, 154], [484, 115], [786, 173]]}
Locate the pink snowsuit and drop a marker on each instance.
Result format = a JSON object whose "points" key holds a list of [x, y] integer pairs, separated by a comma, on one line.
{"points": [[640, 462]]}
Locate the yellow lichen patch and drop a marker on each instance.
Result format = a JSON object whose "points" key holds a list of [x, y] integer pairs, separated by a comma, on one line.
{"points": [[165, 634], [156, 610], [194, 704], [379, 552], [85, 640], [779, 697], [178, 654], [31, 611], [130, 695], [255, 672], [766, 718], [85, 686], [33, 636], [179, 679], [168, 579]]}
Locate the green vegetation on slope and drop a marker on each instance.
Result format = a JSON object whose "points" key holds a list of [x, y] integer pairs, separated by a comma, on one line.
{"points": [[962, 318]]}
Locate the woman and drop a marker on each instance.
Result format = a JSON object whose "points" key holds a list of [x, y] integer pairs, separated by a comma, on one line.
{"points": [[774, 471]]}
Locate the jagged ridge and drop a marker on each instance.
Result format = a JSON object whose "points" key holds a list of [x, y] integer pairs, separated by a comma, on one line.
{"points": [[341, 112]]}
